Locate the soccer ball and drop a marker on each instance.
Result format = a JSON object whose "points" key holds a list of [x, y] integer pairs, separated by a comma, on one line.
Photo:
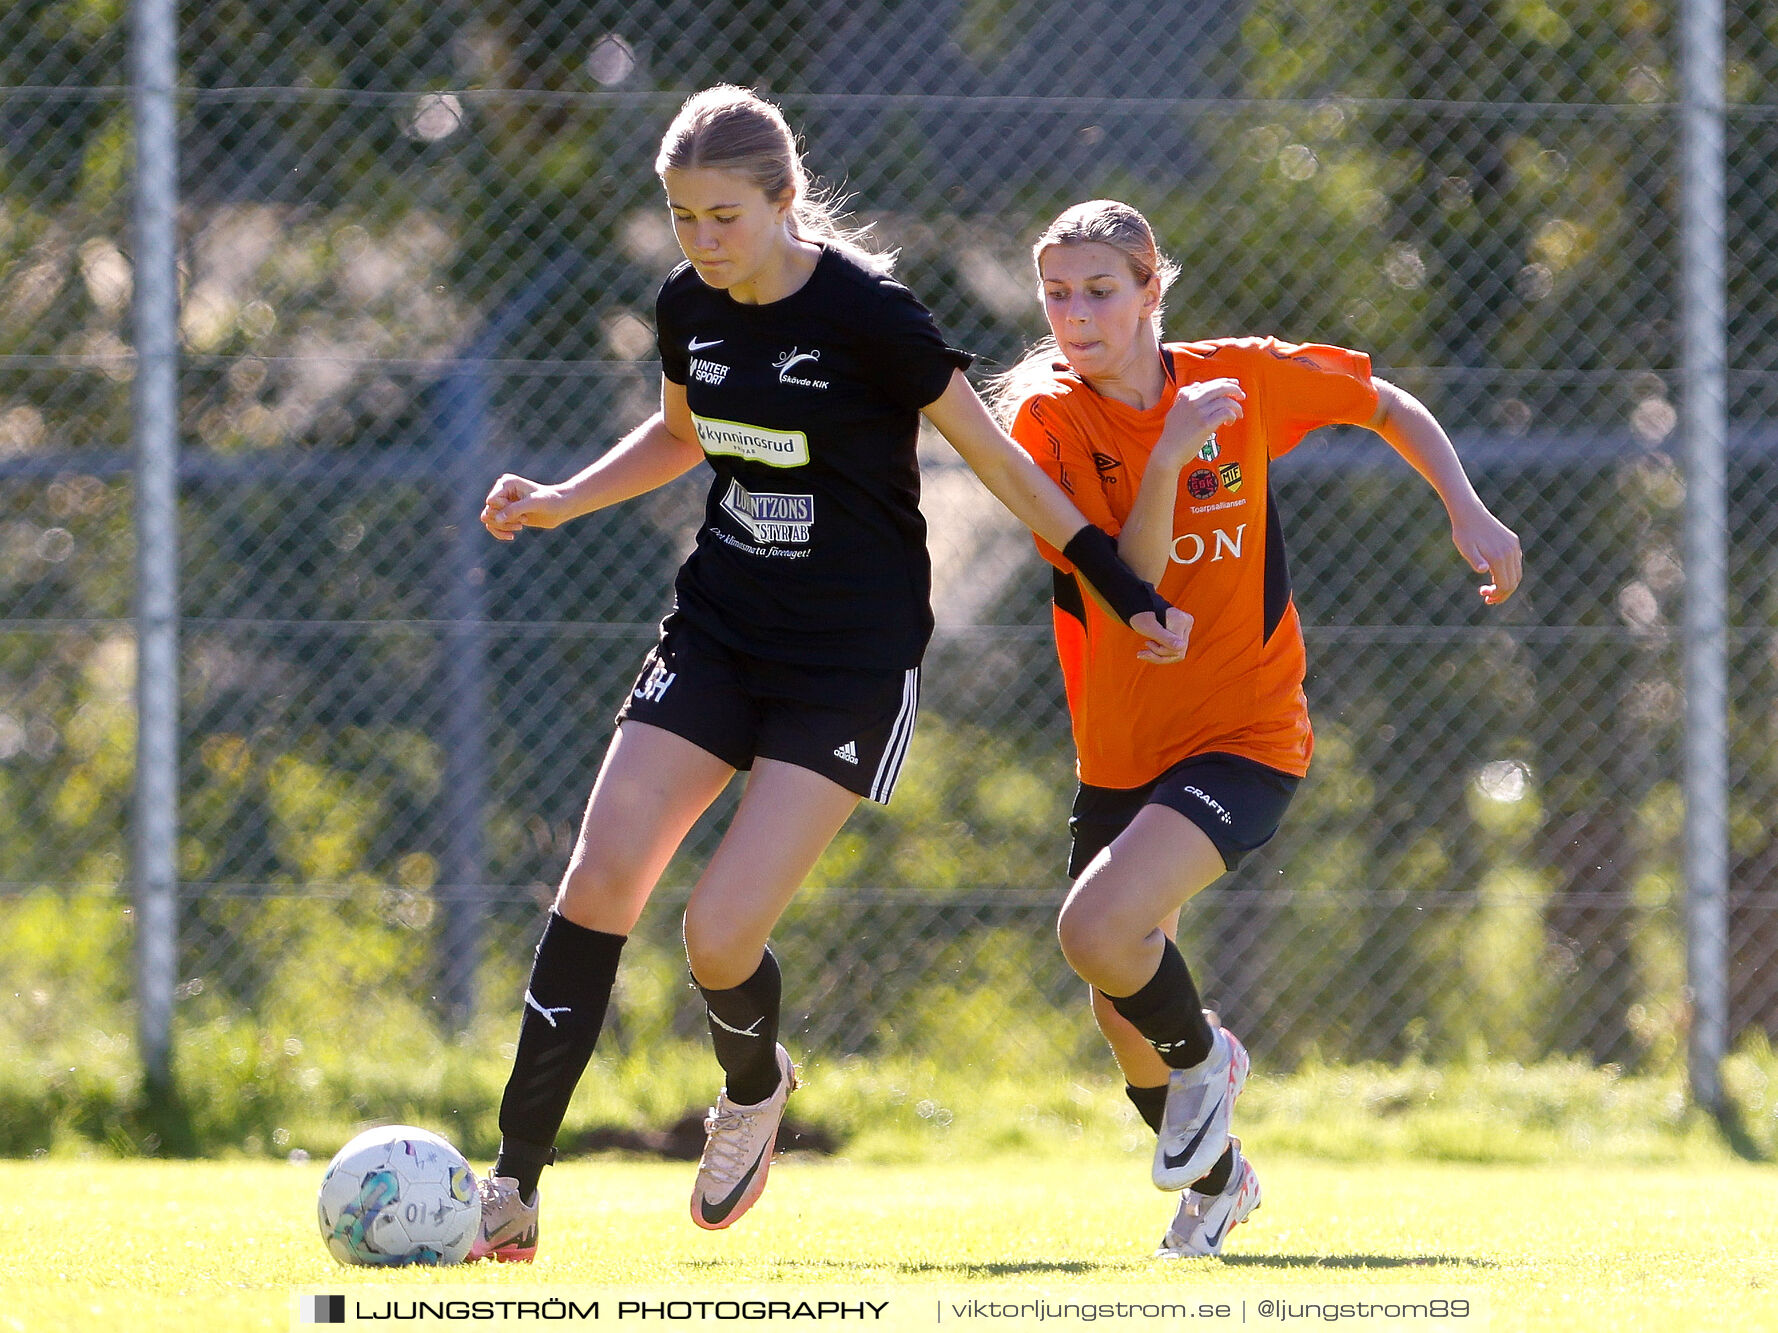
{"points": [[398, 1195]]}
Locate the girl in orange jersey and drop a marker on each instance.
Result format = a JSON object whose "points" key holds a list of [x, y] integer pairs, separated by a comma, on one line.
{"points": [[1168, 446]]}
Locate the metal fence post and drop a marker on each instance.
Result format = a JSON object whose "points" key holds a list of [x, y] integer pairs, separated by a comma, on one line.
{"points": [[465, 803], [157, 533], [1704, 418]]}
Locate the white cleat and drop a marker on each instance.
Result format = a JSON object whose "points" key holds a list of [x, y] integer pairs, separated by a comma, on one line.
{"points": [[509, 1225], [738, 1152], [1200, 1103], [1204, 1221]]}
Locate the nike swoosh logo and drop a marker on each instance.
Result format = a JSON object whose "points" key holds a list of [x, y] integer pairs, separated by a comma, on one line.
{"points": [[723, 1207], [1215, 1238], [1175, 1161], [695, 346]]}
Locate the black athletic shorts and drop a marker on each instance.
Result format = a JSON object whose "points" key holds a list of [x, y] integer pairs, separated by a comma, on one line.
{"points": [[1237, 802], [852, 726]]}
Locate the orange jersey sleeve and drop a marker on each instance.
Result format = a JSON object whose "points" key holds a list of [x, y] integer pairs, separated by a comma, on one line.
{"points": [[1309, 385], [1056, 446]]}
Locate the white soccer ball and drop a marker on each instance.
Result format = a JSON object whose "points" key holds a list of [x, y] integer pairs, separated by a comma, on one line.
{"points": [[399, 1195]]}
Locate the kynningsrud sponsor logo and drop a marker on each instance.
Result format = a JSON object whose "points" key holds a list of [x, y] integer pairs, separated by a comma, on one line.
{"points": [[770, 518], [775, 448], [708, 372], [790, 360]]}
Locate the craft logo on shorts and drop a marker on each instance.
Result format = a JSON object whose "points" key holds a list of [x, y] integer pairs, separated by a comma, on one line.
{"points": [[1209, 449], [1231, 476], [708, 372], [770, 518], [790, 361], [1200, 483], [1209, 800], [775, 448]]}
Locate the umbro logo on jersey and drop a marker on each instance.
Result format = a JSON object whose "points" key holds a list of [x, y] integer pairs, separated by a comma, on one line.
{"points": [[1106, 464], [790, 361], [695, 346], [848, 752]]}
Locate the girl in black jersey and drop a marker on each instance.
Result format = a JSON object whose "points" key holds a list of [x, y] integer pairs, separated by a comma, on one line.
{"points": [[797, 371]]}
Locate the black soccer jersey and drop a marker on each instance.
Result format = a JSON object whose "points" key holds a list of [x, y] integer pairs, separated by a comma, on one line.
{"points": [[813, 548]]}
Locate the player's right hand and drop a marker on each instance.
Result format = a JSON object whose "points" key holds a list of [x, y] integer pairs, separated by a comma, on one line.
{"points": [[515, 502], [1198, 412], [1166, 644]]}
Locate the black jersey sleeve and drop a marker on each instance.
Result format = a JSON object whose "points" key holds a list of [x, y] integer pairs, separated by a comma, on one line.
{"points": [[668, 331], [909, 360]]}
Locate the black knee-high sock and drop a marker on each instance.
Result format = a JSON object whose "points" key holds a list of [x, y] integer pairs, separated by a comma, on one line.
{"points": [[744, 1026], [1169, 1013], [565, 1004], [1149, 1104]]}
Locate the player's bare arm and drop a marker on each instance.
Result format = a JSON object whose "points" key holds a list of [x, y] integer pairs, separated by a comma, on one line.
{"points": [[1197, 413], [660, 449], [1484, 541]]}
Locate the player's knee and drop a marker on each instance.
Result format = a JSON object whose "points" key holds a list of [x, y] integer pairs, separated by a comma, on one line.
{"points": [[1086, 937], [719, 960], [595, 887]]}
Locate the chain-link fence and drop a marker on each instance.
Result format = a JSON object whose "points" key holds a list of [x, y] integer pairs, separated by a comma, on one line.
{"points": [[419, 245]]}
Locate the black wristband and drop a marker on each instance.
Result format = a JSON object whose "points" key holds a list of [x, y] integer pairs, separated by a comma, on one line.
{"points": [[1092, 552]]}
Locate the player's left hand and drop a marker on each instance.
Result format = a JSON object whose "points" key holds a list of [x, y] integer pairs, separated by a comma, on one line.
{"points": [[1166, 644], [1491, 548]]}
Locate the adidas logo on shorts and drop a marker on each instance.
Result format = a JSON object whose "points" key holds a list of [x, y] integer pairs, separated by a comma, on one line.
{"points": [[848, 752]]}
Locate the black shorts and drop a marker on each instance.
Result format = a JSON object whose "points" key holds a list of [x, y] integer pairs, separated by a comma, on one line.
{"points": [[1237, 802], [851, 726]]}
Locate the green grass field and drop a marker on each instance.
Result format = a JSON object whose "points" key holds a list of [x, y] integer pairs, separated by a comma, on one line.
{"points": [[142, 1245]]}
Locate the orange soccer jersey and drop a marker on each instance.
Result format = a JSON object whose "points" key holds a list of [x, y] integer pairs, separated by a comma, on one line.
{"points": [[1240, 688]]}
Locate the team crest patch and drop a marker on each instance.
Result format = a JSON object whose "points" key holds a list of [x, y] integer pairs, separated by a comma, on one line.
{"points": [[1209, 449], [1200, 483], [1231, 476], [790, 360]]}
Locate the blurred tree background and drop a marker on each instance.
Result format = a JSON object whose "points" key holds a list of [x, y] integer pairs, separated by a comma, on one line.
{"points": [[420, 245]]}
